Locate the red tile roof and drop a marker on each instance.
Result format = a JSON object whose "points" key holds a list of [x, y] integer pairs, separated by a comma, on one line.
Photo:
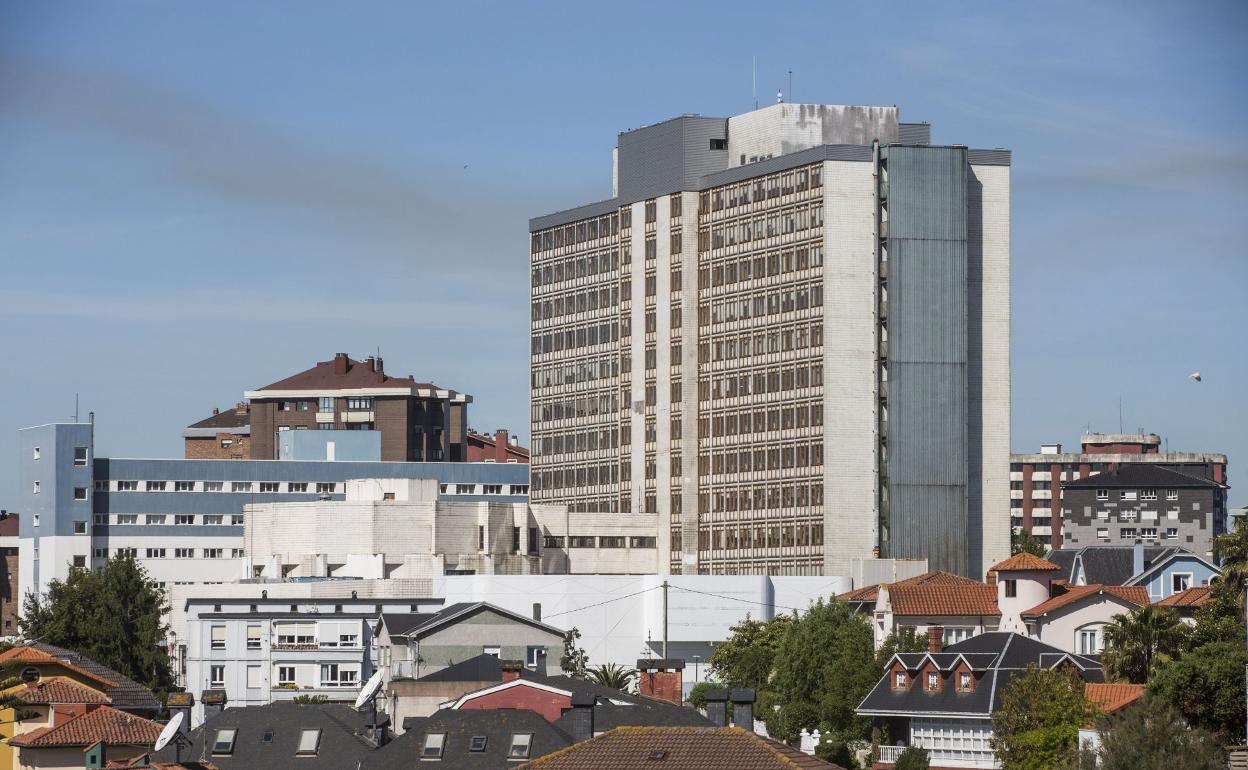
{"points": [[1024, 562], [681, 748], [934, 577], [61, 690], [949, 599], [1136, 595], [1109, 697], [37, 657], [1192, 597], [102, 723], [359, 374]]}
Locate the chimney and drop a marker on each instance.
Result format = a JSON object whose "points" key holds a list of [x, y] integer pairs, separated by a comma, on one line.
{"points": [[583, 716], [661, 678], [500, 445], [341, 363], [181, 703], [242, 407], [372, 363], [511, 669], [717, 706], [513, 441], [215, 411], [743, 709], [935, 638], [381, 369], [1137, 559]]}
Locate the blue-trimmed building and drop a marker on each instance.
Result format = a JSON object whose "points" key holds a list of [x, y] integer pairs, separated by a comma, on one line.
{"points": [[184, 518]]}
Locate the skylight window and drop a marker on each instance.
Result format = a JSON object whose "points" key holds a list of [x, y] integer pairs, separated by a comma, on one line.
{"points": [[223, 744], [520, 744], [309, 742], [477, 743], [433, 746]]}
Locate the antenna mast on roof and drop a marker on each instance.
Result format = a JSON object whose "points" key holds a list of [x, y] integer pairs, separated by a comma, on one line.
{"points": [[75, 406], [754, 79], [790, 85]]}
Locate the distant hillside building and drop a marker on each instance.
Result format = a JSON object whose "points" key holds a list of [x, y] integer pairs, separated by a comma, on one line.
{"points": [[1037, 481]]}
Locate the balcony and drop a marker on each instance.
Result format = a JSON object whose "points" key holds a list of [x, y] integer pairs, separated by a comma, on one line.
{"points": [[986, 760]]}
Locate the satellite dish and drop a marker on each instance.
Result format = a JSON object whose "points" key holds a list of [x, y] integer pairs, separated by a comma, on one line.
{"points": [[171, 729], [1195, 376], [369, 690]]}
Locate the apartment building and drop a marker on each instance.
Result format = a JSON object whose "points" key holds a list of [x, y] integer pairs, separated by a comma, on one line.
{"points": [[1038, 481], [785, 339], [184, 519]]}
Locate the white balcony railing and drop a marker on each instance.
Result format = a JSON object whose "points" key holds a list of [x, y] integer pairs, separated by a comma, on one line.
{"points": [[987, 761]]}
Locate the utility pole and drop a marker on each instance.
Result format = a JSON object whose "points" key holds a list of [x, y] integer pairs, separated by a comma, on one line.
{"points": [[665, 620]]}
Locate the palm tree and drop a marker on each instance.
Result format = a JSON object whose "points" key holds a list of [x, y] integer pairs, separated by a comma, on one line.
{"points": [[1137, 640], [1232, 552], [612, 675]]}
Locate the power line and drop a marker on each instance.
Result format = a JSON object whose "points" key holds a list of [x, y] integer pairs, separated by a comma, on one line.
{"points": [[599, 604], [736, 599]]}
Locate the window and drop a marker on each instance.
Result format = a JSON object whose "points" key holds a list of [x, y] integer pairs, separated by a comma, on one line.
{"points": [[253, 637], [218, 637], [127, 518], [325, 404], [184, 486], [100, 553], [899, 680], [964, 681], [492, 489], [495, 651], [326, 488], [719, 144], [154, 518], [1089, 641], [1180, 581], [309, 742], [236, 519], [955, 634], [35, 520], [155, 553], [34, 488], [1148, 494], [80, 493], [477, 743], [582, 541], [1172, 494], [253, 677], [183, 553], [214, 519], [223, 743], [432, 748], [336, 675], [285, 674], [155, 486], [1127, 532], [1129, 494], [100, 519], [184, 518], [533, 656], [359, 404], [80, 527], [213, 553], [37, 453], [643, 541], [297, 486], [80, 456], [1102, 494], [465, 489], [1102, 533], [270, 486], [1148, 533], [552, 541], [519, 489], [1011, 588], [520, 744], [127, 486], [296, 634], [1172, 514], [80, 561], [214, 486], [933, 681], [240, 486], [1102, 515], [303, 406], [1172, 533], [236, 553], [216, 677]]}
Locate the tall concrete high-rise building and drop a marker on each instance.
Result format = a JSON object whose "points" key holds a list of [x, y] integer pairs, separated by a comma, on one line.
{"points": [[786, 336]]}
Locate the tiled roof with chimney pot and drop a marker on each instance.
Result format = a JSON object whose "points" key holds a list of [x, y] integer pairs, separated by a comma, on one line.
{"points": [[125, 693], [1109, 697], [54, 690], [345, 373], [226, 420], [953, 599], [1191, 598], [1136, 595], [678, 748], [868, 594], [1141, 475], [101, 723], [1024, 562]]}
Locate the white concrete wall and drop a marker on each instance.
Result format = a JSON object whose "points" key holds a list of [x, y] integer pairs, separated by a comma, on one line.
{"points": [[780, 129], [1061, 628], [1032, 589]]}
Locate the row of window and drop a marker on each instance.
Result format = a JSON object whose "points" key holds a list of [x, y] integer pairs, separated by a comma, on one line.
{"points": [[575, 337], [1137, 494], [263, 487], [761, 536], [435, 743], [579, 232], [603, 541], [483, 489], [933, 681], [165, 519], [163, 553], [294, 635], [760, 189], [572, 372], [755, 305], [748, 229], [739, 384], [588, 301], [332, 675], [1132, 515], [1143, 533], [324, 404], [80, 455], [225, 738], [730, 270]]}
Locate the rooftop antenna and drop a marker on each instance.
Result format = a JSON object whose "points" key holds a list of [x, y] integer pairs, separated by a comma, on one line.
{"points": [[790, 85], [1120, 414], [754, 79], [75, 406]]}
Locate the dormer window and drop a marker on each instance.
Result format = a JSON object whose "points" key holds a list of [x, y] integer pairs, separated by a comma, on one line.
{"points": [[964, 681], [899, 680], [432, 748], [933, 681]]}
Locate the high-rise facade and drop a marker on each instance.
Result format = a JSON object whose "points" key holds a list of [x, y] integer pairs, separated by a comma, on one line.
{"points": [[787, 337]]}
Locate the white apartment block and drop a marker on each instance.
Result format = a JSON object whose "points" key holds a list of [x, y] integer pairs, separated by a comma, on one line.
{"points": [[784, 341]]}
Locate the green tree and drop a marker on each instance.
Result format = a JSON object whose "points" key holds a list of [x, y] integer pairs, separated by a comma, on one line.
{"points": [[906, 639], [307, 700], [1232, 552], [1206, 685], [823, 669], [574, 660], [613, 675], [1036, 725], [913, 758], [746, 657], [1153, 736], [112, 615], [1025, 542], [1138, 640]]}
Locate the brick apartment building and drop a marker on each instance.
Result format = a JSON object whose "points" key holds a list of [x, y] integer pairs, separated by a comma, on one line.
{"points": [[1037, 481], [223, 436], [499, 448], [10, 594]]}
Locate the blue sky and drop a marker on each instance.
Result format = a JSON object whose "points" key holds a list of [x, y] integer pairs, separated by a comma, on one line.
{"points": [[197, 199]]}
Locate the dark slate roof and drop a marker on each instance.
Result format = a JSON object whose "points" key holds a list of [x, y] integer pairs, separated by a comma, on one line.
{"points": [[127, 695], [226, 418], [497, 725], [406, 624], [483, 668], [998, 655], [1111, 565], [344, 742], [650, 713], [359, 374], [1140, 475]]}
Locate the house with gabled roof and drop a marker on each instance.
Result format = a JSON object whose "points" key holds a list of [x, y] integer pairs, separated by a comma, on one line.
{"points": [[943, 699], [1163, 570], [60, 745], [959, 606]]}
